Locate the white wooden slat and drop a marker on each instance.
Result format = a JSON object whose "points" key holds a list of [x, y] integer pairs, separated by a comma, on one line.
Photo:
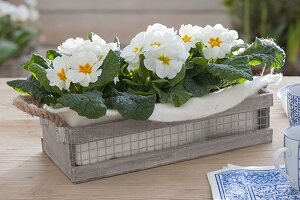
{"points": [[142, 5], [56, 28]]}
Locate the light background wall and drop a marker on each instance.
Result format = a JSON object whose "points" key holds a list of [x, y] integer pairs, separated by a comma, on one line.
{"points": [[61, 19]]}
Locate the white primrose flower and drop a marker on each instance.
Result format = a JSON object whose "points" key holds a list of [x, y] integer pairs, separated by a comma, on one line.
{"points": [[159, 27], [189, 35], [21, 13], [70, 46], [132, 52], [217, 40], [6, 8], [99, 47], [158, 39], [58, 74], [85, 68], [166, 62], [98, 41]]}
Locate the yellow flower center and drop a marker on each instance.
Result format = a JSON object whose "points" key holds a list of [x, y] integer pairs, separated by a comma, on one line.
{"points": [[186, 38], [215, 42], [155, 44], [164, 59], [86, 68], [62, 75]]}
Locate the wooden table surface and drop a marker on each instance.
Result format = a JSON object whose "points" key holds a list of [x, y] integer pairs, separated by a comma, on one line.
{"points": [[27, 173]]}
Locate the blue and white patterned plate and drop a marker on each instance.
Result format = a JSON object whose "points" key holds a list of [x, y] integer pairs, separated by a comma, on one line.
{"points": [[247, 183]]}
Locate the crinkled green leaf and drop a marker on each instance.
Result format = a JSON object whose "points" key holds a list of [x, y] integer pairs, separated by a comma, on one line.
{"points": [[177, 95], [39, 60], [30, 86], [178, 77], [110, 69], [7, 50], [238, 47], [265, 51], [199, 61], [189, 65], [200, 84], [160, 82], [231, 69], [88, 104], [132, 106], [52, 54]]}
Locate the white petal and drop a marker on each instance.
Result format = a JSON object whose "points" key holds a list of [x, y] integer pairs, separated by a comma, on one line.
{"points": [[93, 78], [150, 64], [176, 66], [225, 48], [85, 82], [215, 52], [172, 74], [161, 71], [75, 76]]}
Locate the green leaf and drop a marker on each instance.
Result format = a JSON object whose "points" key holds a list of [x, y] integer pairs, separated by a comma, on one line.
{"points": [[37, 59], [238, 46], [200, 84], [199, 61], [231, 69], [178, 77], [52, 54], [117, 41], [160, 82], [30, 86], [132, 106], [110, 69], [189, 65], [8, 49], [23, 36], [177, 95], [88, 104], [131, 83], [6, 26], [40, 74], [90, 36], [142, 70], [265, 51], [138, 92]]}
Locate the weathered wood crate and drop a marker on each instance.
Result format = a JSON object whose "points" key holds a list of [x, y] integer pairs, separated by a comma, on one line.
{"points": [[109, 149]]}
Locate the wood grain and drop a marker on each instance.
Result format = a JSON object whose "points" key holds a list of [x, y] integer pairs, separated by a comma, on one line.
{"points": [[26, 173], [129, 5]]}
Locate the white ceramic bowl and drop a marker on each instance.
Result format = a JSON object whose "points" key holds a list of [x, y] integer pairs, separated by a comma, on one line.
{"points": [[282, 95]]}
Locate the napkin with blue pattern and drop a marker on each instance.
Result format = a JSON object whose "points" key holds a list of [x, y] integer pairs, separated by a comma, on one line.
{"points": [[247, 183]]}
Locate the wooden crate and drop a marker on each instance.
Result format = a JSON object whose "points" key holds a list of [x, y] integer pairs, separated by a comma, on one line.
{"points": [[109, 149]]}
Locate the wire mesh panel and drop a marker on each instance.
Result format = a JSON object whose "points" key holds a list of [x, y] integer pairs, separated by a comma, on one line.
{"points": [[168, 137], [108, 149]]}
